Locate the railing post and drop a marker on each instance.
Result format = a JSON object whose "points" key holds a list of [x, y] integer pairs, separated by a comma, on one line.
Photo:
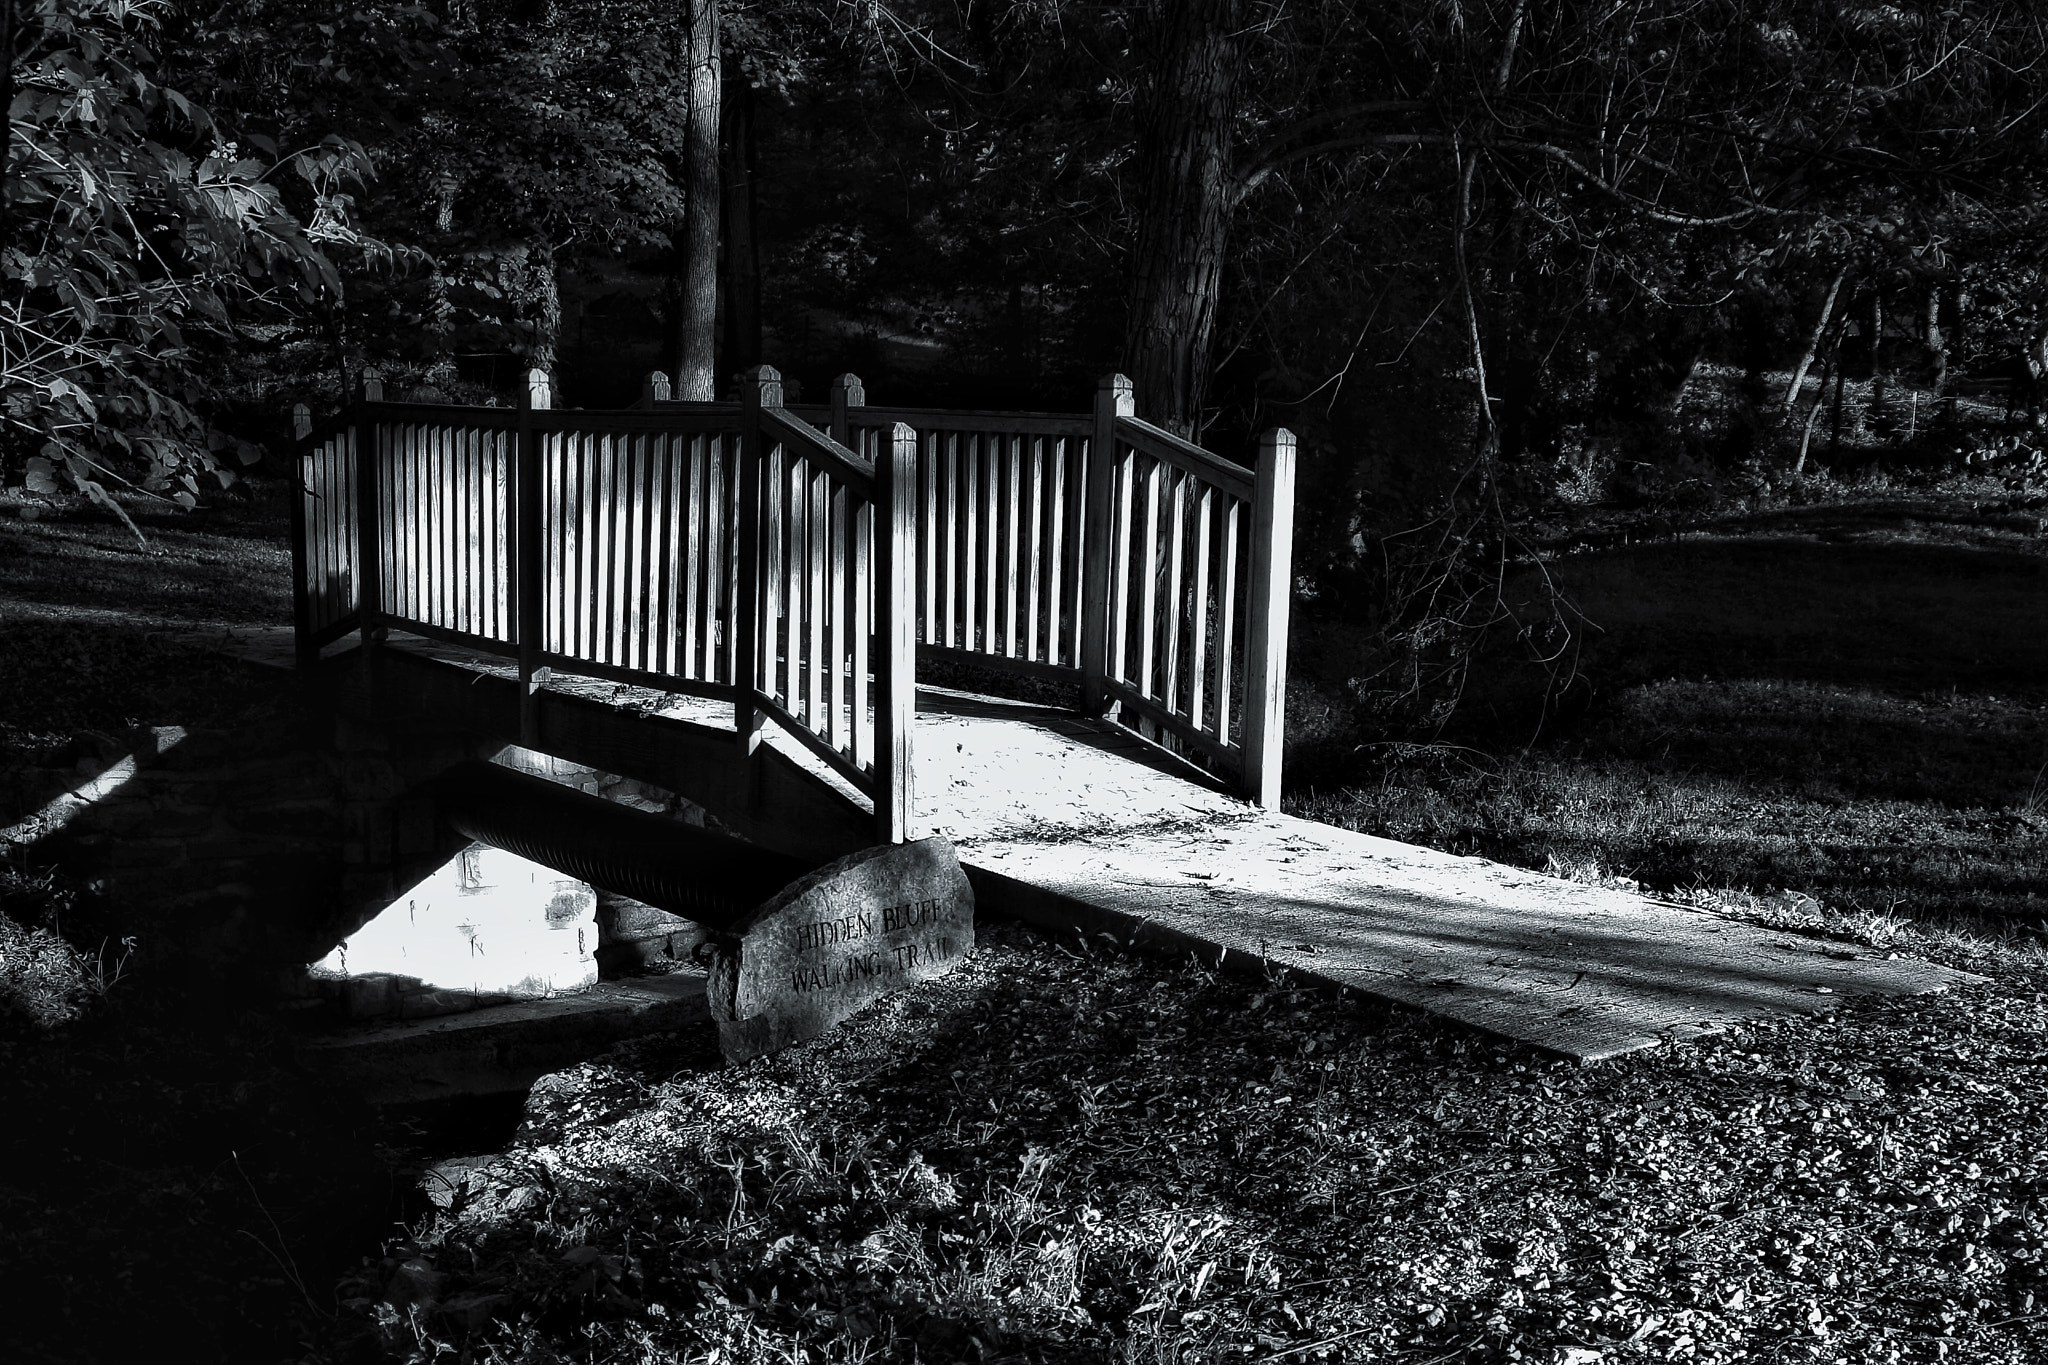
{"points": [[1272, 578], [369, 565], [536, 393], [760, 387], [304, 652], [654, 389], [1114, 398], [896, 628], [847, 393]]}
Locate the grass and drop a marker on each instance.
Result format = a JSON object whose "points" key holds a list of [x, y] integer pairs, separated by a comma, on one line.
{"points": [[1927, 808], [1064, 1153]]}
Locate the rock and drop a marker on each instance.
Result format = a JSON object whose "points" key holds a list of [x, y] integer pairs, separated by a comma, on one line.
{"points": [[833, 941]]}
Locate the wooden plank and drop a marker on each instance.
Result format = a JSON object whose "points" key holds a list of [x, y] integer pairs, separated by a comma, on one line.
{"points": [[604, 584], [1161, 444], [1148, 583], [773, 481], [1229, 553], [861, 590], [529, 554], [1063, 560], [838, 593], [743, 625], [896, 665], [928, 523], [1034, 537], [819, 449], [795, 728], [468, 546], [1122, 530], [795, 537], [1271, 577], [306, 568], [817, 597], [990, 450], [699, 519], [1010, 449], [950, 569], [1096, 589], [970, 545], [552, 488], [1198, 598], [642, 593], [1174, 606], [668, 512], [726, 561]]}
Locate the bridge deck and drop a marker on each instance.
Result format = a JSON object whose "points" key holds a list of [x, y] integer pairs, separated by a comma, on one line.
{"points": [[1063, 820]]}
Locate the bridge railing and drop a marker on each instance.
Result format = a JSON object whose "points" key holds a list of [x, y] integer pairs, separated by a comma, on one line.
{"points": [[1157, 575], [795, 560], [729, 551]]}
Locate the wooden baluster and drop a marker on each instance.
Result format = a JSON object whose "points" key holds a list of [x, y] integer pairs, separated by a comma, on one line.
{"points": [[1034, 538], [373, 519], [1010, 451], [667, 536], [529, 564], [1174, 607], [951, 568], [848, 393], [1198, 597], [1229, 550], [838, 592], [699, 515], [1069, 484], [762, 388], [638, 586], [1107, 546], [1148, 584], [1271, 574], [794, 489], [817, 597], [308, 559], [861, 597], [896, 666], [928, 523], [970, 548]]}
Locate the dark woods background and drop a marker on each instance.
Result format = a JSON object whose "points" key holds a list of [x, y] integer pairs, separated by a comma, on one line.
{"points": [[1495, 261]]}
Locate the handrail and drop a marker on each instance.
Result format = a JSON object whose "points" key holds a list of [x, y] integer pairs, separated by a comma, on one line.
{"points": [[843, 462], [1161, 444]]}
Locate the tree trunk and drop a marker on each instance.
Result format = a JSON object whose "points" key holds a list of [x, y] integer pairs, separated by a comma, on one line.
{"points": [[1827, 311], [742, 315], [1184, 214], [695, 239]]}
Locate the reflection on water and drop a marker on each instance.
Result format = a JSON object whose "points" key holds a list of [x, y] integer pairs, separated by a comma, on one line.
{"points": [[487, 921]]}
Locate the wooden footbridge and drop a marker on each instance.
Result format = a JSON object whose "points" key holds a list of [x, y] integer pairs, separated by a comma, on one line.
{"points": [[796, 563], [733, 602]]}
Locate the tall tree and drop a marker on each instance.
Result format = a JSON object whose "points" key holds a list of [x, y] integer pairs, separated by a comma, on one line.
{"points": [[1185, 131], [695, 239]]}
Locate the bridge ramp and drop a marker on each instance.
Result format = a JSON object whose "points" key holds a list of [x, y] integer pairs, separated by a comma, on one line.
{"points": [[1059, 825]]}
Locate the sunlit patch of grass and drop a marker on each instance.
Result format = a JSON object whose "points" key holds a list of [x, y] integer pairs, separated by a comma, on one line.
{"points": [[1917, 809]]}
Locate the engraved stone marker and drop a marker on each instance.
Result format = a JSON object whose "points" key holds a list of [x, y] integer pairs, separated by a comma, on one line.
{"points": [[828, 944]]}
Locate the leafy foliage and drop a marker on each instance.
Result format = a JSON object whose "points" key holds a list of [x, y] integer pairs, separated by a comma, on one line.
{"points": [[134, 222]]}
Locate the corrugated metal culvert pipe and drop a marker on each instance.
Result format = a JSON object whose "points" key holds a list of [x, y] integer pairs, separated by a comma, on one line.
{"points": [[703, 876]]}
